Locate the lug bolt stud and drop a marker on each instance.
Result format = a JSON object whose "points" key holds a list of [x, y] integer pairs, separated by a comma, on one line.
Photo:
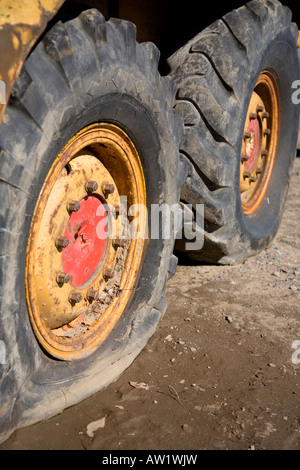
{"points": [[265, 115], [107, 188], [92, 294], [253, 179], [108, 273], [252, 116], [73, 206], [119, 242], [75, 297], [246, 174], [247, 135], [91, 186], [267, 132], [259, 109], [244, 158], [264, 153], [62, 242], [62, 278], [259, 171]]}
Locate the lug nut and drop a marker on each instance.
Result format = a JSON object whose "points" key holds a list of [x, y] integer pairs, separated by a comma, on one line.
{"points": [[252, 116], [265, 115], [267, 132], [91, 186], [264, 153], [108, 273], [92, 294], [73, 206], [62, 242], [244, 158], [247, 135], [119, 242], [253, 179], [75, 297], [259, 109], [62, 278], [246, 174], [107, 188], [259, 171]]}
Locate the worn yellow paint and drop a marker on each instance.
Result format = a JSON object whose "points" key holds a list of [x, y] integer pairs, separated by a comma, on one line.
{"points": [[21, 24]]}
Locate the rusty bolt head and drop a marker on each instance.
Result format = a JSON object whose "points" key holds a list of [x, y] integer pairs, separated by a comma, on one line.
{"points": [[62, 242], [244, 158], [252, 116], [247, 135], [265, 115], [75, 297], [108, 273], [107, 188], [267, 132], [119, 242], [259, 171], [264, 153], [253, 179], [73, 206], [259, 109], [92, 294], [91, 186], [246, 174], [63, 278]]}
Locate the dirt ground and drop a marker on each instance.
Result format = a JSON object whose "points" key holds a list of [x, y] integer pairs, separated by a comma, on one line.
{"points": [[221, 371]]}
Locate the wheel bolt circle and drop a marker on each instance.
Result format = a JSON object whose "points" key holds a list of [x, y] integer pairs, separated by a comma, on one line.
{"points": [[107, 188], [62, 278], [92, 294], [91, 186], [62, 242], [73, 206], [75, 297]]}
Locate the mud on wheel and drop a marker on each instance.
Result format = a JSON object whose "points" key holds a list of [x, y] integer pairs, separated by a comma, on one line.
{"points": [[234, 93], [90, 122]]}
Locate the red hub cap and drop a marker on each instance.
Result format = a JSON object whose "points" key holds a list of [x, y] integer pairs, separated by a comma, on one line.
{"points": [[86, 232]]}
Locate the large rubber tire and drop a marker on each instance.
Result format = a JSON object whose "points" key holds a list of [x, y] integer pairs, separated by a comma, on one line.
{"points": [[215, 75], [84, 71]]}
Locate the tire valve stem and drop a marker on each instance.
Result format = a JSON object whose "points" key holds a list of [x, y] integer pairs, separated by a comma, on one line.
{"points": [[92, 294], [73, 206], [107, 188], [75, 297], [62, 278], [62, 242], [91, 186]]}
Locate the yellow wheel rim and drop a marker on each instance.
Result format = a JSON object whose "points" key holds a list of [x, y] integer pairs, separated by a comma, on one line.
{"points": [[82, 265], [259, 142]]}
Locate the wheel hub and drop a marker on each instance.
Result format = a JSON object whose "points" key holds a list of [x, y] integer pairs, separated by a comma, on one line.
{"points": [[81, 269]]}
